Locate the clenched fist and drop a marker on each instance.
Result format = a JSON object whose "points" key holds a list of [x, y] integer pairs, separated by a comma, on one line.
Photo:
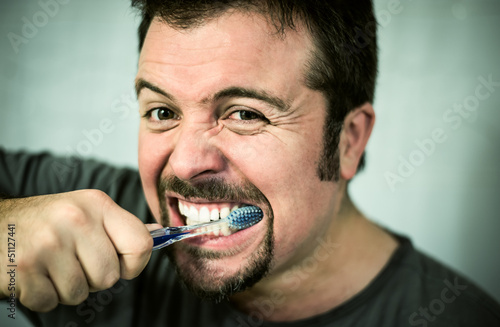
{"points": [[70, 244]]}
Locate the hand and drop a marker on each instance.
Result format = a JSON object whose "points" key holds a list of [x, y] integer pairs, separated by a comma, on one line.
{"points": [[70, 244]]}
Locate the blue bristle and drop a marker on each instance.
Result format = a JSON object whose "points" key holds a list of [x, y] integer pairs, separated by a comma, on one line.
{"points": [[245, 217]]}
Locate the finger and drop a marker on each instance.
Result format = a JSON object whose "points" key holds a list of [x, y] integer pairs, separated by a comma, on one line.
{"points": [[152, 227], [130, 238], [37, 292], [99, 260], [68, 278]]}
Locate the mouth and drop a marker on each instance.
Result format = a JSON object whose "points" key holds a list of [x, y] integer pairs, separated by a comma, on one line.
{"points": [[197, 211]]}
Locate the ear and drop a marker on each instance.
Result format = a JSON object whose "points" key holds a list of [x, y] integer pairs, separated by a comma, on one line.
{"points": [[358, 125]]}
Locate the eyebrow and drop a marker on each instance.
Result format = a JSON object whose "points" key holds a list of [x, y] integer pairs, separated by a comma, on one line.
{"points": [[241, 92], [143, 84], [230, 92]]}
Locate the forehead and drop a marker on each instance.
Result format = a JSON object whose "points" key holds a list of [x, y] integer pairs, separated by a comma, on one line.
{"points": [[236, 47]]}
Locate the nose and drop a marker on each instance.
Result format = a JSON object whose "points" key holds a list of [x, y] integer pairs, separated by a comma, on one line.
{"points": [[195, 153]]}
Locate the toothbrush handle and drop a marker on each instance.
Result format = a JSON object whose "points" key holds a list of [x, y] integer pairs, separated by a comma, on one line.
{"points": [[168, 235], [161, 241]]}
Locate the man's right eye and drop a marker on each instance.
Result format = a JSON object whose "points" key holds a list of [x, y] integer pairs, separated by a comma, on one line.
{"points": [[158, 114]]}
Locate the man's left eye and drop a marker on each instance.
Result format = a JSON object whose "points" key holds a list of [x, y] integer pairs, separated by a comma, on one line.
{"points": [[158, 114], [245, 115]]}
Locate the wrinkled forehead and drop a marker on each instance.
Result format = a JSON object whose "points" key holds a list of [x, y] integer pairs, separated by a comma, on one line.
{"points": [[233, 35]]}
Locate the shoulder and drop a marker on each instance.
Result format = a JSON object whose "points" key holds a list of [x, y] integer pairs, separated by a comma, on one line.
{"points": [[436, 295], [30, 174]]}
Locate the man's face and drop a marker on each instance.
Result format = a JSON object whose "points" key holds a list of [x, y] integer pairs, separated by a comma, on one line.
{"points": [[225, 104]]}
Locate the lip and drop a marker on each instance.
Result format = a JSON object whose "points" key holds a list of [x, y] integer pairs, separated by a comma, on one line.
{"points": [[235, 242]]}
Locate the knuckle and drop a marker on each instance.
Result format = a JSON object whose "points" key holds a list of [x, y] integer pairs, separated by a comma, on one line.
{"points": [[48, 305], [105, 280], [72, 214], [77, 289], [40, 302], [48, 242], [110, 272], [111, 279], [97, 195], [26, 262], [131, 273], [100, 199], [77, 294], [134, 267]]}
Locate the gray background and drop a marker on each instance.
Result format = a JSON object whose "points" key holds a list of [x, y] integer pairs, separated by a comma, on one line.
{"points": [[76, 70]]}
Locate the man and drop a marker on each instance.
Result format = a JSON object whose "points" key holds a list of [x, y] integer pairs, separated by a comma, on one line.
{"points": [[264, 103]]}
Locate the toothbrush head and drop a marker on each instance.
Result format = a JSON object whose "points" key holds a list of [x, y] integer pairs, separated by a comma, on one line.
{"points": [[244, 217]]}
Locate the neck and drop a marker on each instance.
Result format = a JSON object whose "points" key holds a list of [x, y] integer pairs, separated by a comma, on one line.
{"points": [[354, 251]]}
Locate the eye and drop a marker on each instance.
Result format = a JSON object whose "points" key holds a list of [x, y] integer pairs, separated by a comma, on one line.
{"points": [[244, 121], [158, 114], [245, 115]]}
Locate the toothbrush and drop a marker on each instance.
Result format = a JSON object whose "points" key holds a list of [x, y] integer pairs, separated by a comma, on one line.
{"points": [[237, 220]]}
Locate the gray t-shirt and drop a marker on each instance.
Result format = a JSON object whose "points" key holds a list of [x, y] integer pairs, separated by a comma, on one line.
{"points": [[412, 290]]}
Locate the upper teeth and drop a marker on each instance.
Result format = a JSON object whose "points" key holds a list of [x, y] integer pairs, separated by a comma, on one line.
{"points": [[196, 215]]}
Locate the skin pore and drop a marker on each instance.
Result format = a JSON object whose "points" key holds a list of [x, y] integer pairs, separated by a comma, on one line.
{"points": [[227, 101]]}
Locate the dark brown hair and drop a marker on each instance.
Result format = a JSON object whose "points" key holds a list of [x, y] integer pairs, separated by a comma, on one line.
{"points": [[344, 65]]}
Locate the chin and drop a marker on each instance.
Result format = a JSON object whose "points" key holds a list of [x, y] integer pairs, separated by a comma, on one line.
{"points": [[216, 275]]}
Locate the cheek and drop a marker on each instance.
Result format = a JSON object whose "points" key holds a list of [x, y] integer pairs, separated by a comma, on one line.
{"points": [[285, 170], [151, 163]]}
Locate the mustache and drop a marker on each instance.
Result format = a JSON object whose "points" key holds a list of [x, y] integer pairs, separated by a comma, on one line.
{"points": [[211, 189]]}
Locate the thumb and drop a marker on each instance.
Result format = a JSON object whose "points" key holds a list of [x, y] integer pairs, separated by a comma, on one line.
{"points": [[152, 227], [131, 239]]}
